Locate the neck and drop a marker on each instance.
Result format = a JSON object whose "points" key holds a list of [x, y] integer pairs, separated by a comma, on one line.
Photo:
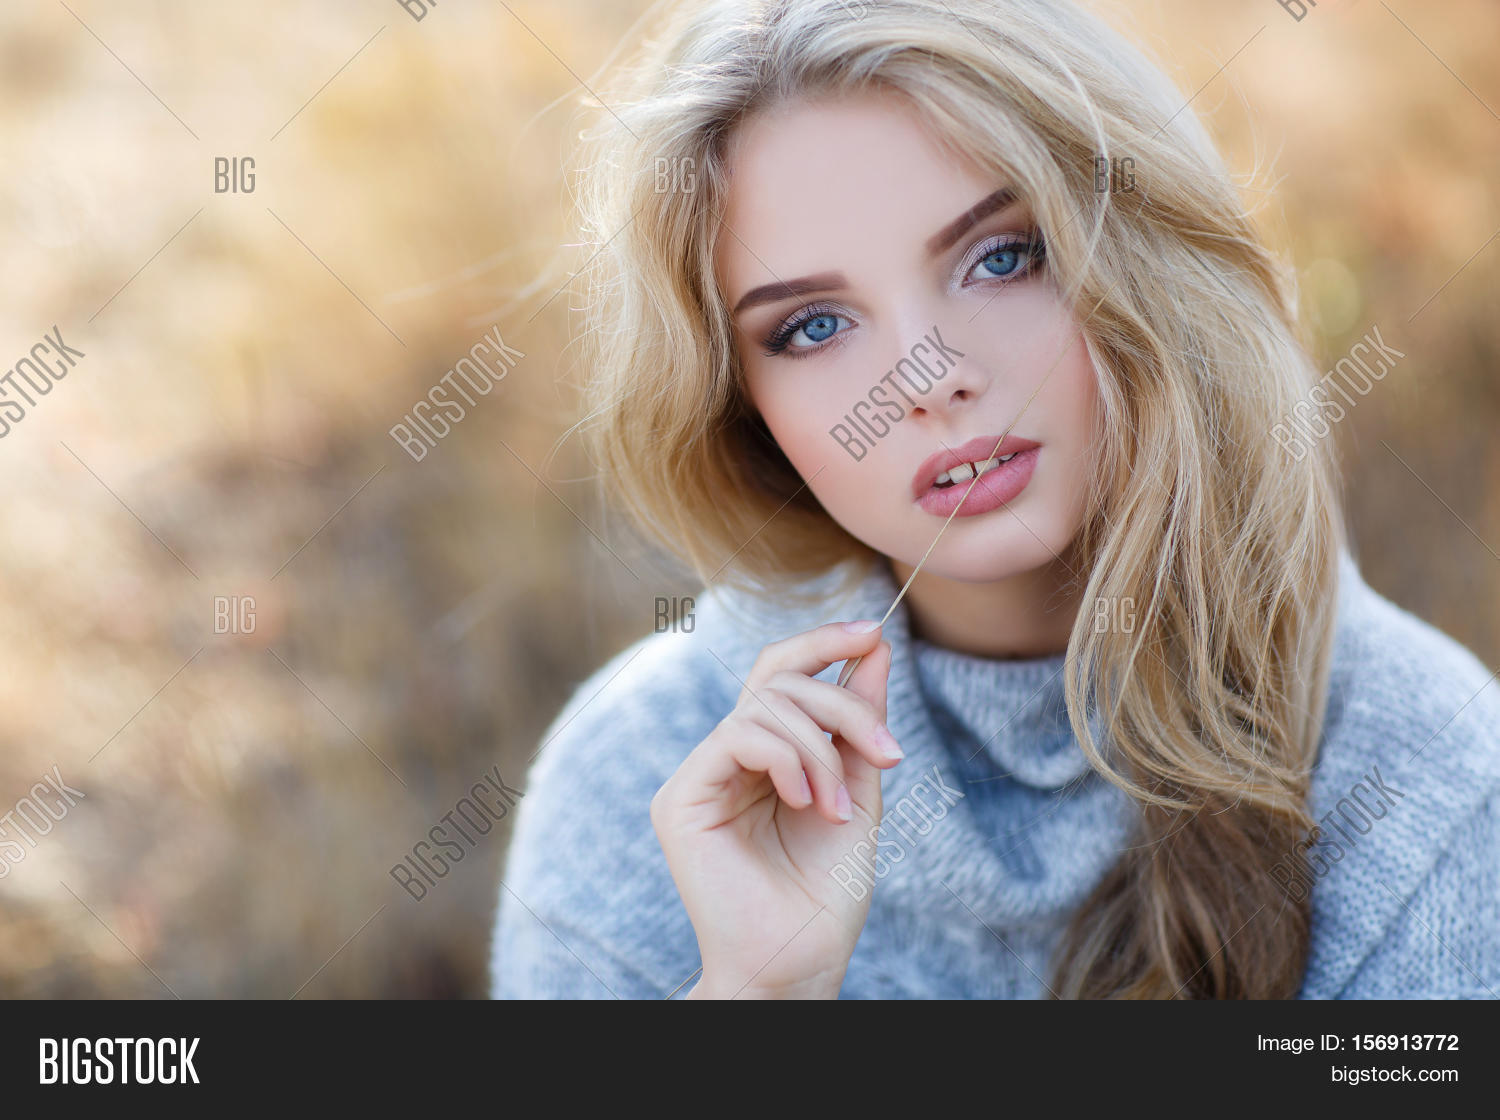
{"points": [[1026, 615]]}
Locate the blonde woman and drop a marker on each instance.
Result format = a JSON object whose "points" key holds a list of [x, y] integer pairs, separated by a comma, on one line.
{"points": [[961, 289]]}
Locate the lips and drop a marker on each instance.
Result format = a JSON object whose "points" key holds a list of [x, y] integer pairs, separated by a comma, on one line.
{"points": [[976, 450]]}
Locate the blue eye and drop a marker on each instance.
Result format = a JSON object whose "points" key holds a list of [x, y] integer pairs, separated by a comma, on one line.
{"points": [[819, 327], [814, 324], [1007, 260]]}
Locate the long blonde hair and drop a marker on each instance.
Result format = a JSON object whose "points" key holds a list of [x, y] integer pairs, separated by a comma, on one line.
{"points": [[1212, 550]]}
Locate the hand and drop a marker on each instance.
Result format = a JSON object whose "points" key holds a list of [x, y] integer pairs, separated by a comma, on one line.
{"points": [[759, 813]]}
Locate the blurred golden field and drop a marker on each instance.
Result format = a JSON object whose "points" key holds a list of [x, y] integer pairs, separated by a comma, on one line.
{"points": [[418, 624]]}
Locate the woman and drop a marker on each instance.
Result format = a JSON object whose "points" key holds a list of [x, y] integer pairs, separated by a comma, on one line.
{"points": [[960, 295]]}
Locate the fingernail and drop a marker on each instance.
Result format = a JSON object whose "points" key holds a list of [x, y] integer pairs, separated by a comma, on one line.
{"points": [[841, 804], [887, 742], [863, 627]]}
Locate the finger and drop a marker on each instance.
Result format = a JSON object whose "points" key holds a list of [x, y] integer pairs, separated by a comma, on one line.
{"points": [[848, 670], [869, 680], [820, 758], [843, 713], [813, 651], [868, 684], [739, 747]]}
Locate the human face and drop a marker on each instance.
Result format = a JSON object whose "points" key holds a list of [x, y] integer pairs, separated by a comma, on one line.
{"points": [[921, 310]]}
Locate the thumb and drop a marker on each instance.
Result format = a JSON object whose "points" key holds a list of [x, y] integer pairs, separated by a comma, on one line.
{"points": [[868, 682], [869, 679]]}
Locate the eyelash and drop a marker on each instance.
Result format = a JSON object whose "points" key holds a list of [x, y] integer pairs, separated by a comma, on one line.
{"points": [[1032, 245], [780, 338], [1028, 243]]}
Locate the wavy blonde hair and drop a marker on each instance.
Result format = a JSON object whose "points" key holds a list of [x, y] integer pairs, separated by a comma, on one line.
{"points": [[1212, 701]]}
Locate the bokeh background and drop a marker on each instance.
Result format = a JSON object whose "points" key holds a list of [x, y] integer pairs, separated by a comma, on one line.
{"points": [[418, 624]]}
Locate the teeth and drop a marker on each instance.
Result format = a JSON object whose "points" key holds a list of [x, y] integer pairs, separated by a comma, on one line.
{"points": [[965, 471]]}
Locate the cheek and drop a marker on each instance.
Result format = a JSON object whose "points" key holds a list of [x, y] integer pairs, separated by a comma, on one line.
{"points": [[1067, 406], [1074, 422], [797, 410], [799, 413], [1083, 393]]}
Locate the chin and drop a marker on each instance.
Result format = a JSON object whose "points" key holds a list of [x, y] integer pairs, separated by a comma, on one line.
{"points": [[989, 549], [984, 562]]}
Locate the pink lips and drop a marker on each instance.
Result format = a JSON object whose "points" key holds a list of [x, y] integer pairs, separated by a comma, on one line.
{"points": [[990, 491]]}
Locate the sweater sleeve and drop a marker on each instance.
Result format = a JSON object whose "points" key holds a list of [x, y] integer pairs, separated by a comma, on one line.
{"points": [[587, 908], [1445, 940]]}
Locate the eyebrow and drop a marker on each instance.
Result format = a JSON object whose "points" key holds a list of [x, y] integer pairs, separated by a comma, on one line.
{"points": [[790, 289], [945, 237], [830, 281]]}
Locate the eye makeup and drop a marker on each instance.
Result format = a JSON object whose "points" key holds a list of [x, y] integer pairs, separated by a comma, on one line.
{"points": [[1021, 255], [779, 340], [1028, 248]]}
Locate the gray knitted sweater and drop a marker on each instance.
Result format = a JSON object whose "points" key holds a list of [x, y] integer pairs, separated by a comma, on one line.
{"points": [[995, 826]]}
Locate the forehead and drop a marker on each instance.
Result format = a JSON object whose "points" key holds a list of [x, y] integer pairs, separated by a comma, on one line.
{"points": [[825, 184]]}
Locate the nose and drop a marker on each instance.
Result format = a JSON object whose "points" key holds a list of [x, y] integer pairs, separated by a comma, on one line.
{"points": [[939, 377]]}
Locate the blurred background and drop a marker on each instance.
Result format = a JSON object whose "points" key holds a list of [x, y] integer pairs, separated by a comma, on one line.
{"points": [[271, 649]]}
